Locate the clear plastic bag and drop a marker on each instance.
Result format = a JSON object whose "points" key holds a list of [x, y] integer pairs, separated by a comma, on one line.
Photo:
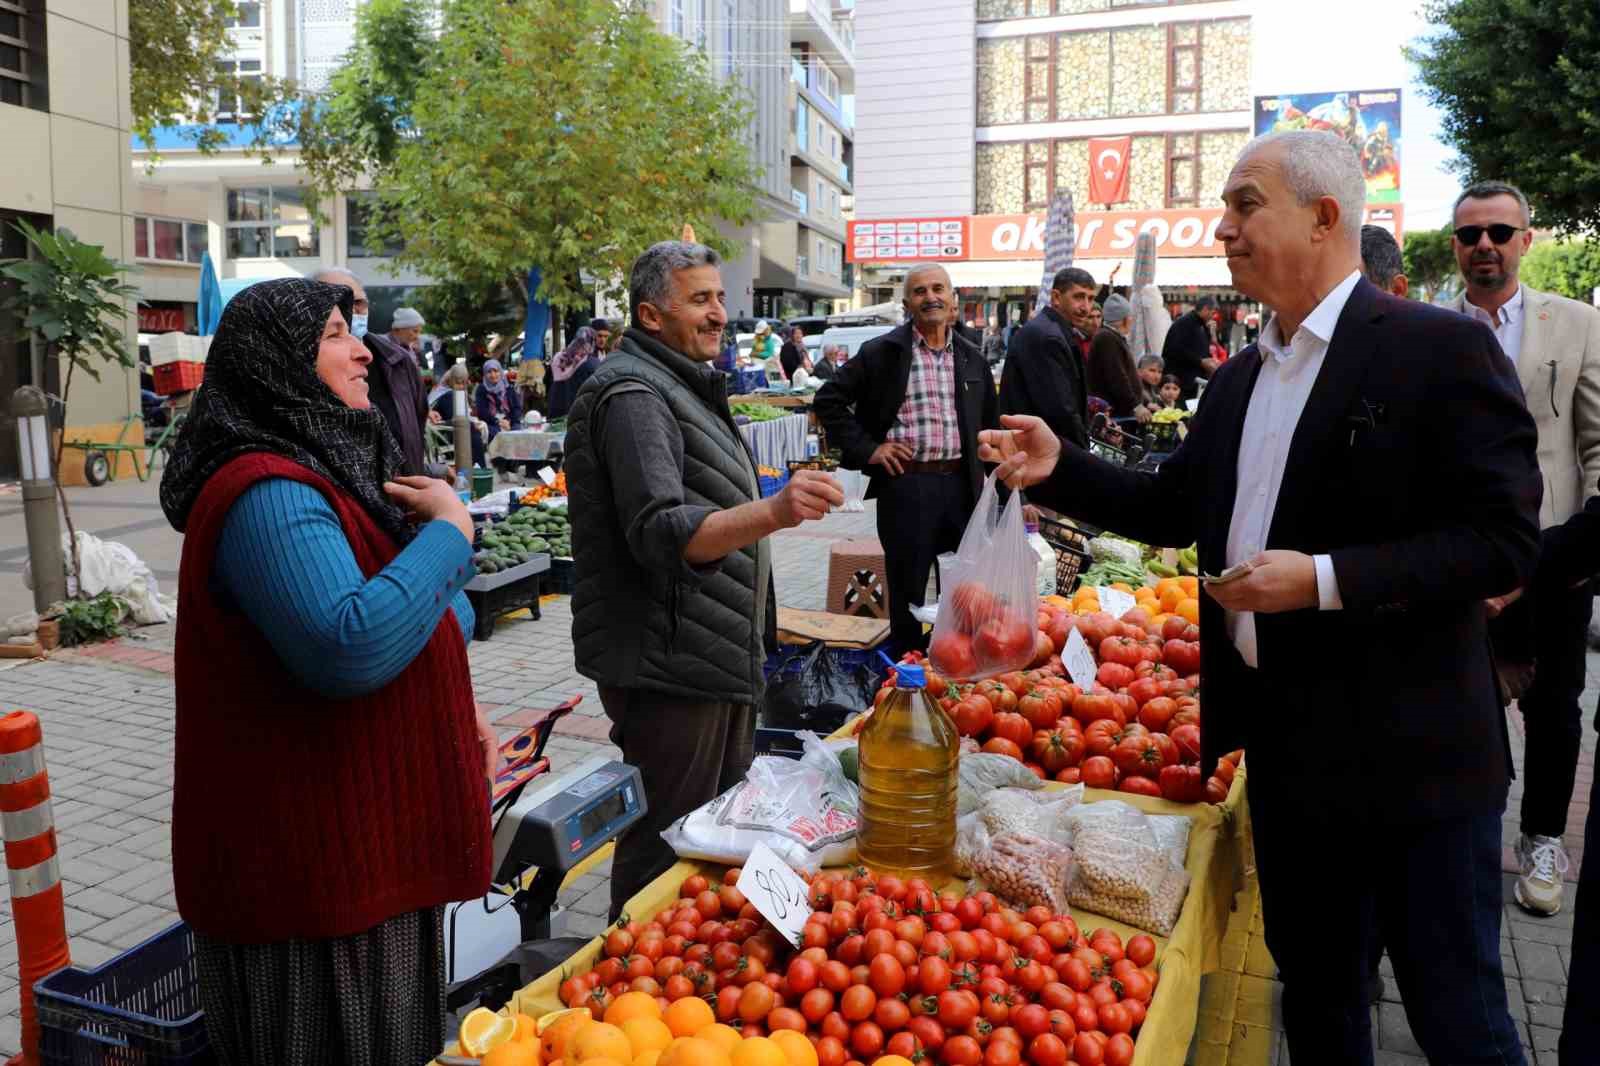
{"points": [[983, 772], [854, 484], [1034, 813], [972, 840], [1118, 865], [1026, 871], [989, 596], [1129, 865], [1156, 914]]}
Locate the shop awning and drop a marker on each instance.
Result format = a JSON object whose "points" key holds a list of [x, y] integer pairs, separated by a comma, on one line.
{"points": [[1011, 273]]}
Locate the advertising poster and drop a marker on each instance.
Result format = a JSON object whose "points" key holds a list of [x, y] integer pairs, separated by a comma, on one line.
{"points": [[1368, 119]]}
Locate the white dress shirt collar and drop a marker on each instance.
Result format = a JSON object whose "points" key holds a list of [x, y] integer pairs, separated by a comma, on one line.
{"points": [[1509, 314], [1320, 323]]}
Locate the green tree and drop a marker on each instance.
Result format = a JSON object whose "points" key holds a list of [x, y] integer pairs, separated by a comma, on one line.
{"points": [[174, 47], [1570, 268], [72, 295], [566, 135], [1430, 263], [455, 309], [1517, 82]]}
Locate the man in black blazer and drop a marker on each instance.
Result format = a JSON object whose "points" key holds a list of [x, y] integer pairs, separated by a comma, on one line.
{"points": [[907, 409], [1187, 349], [1044, 372], [1377, 470]]}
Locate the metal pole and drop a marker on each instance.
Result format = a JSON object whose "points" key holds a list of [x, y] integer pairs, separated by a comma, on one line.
{"points": [[463, 430], [31, 408]]}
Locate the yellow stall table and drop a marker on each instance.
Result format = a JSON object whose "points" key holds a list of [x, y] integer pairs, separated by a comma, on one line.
{"points": [[1216, 873]]}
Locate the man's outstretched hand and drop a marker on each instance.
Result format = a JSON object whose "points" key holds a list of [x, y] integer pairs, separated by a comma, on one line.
{"points": [[1024, 447]]}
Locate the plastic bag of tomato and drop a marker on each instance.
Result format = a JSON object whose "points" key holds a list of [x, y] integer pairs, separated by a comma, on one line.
{"points": [[888, 967], [1136, 729]]}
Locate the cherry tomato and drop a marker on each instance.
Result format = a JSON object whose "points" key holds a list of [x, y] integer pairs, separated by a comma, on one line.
{"points": [[831, 1052], [891, 1015], [1047, 1050], [1114, 1018], [1086, 1051], [836, 1026], [957, 1008], [728, 1003], [877, 942], [857, 1003], [816, 1004], [969, 911], [1136, 1013], [1057, 996], [903, 1044], [996, 1009], [963, 946], [866, 1040], [1142, 950], [756, 1002], [933, 976], [961, 1051], [1002, 1053], [1119, 1050], [929, 1033], [1136, 986], [639, 966], [834, 975], [1030, 978], [802, 976], [785, 1018], [1085, 1015]]}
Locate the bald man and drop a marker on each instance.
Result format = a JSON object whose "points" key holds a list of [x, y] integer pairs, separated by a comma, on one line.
{"points": [[907, 410]]}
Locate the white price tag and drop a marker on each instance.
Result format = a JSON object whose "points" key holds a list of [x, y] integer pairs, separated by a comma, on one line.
{"points": [[1193, 405], [1079, 661], [547, 475], [1115, 602], [777, 892]]}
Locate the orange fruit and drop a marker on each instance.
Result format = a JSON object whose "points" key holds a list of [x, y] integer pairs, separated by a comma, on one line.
{"points": [[693, 1051], [1190, 584], [513, 1053], [1122, 586], [798, 1050], [689, 1015], [646, 1034], [527, 1029], [1189, 610], [892, 1060], [600, 1040], [758, 1051], [554, 1037], [1140, 595], [724, 1036], [1171, 596], [631, 1005], [483, 1030], [647, 1059], [606, 1062]]}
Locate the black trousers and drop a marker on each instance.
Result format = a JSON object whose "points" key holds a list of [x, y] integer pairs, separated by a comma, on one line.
{"points": [[689, 753], [920, 517], [1550, 712]]}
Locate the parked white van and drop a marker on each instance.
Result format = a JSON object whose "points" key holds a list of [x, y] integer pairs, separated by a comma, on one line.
{"points": [[852, 337]]}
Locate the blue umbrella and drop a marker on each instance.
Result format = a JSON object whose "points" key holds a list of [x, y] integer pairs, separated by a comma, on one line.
{"points": [[210, 309], [537, 322]]}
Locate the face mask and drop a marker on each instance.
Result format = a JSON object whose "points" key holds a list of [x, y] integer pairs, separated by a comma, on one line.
{"points": [[358, 326]]}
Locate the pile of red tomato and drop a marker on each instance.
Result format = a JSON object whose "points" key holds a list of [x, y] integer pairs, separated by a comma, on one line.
{"points": [[1137, 729], [886, 966]]}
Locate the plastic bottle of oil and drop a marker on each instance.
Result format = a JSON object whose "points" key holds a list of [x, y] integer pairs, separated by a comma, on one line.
{"points": [[908, 781]]}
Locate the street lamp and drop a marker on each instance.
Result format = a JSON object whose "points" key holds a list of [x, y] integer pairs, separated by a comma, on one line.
{"points": [[31, 408]]}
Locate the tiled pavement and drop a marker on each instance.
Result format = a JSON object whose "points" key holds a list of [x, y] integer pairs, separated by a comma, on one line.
{"points": [[107, 715]]}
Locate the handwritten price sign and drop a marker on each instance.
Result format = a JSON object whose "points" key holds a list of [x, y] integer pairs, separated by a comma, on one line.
{"points": [[1078, 660], [777, 892]]}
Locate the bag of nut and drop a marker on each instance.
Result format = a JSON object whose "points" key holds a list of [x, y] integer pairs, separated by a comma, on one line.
{"points": [[1117, 865], [1026, 871], [1157, 913]]}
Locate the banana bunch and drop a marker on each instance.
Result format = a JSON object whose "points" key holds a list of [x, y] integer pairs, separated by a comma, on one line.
{"points": [[1189, 560]]}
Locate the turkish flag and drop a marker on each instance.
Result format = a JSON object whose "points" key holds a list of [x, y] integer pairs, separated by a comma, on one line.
{"points": [[1108, 169]]}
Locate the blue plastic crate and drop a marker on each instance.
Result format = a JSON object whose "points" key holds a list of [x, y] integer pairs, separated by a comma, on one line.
{"points": [[771, 486], [141, 1007]]}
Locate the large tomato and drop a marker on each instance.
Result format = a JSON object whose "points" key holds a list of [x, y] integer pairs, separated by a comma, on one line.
{"points": [[1167, 747], [1140, 786], [1097, 627], [1182, 655], [1155, 670], [1144, 689], [1102, 736], [1120, 650], [972, 605], [1060, 625], [1137, 756], [973, 715], [1216, 790], [1092, 707], [1115, 675], [1182, 784], [1157, 713], [998, 695], [1041, 708], [1004, 641], [1044, 649], [1013, 727], [1057, 749], [1002, 746], [1174, 627], [1099, 772], [1016, 682], [952, 654]]}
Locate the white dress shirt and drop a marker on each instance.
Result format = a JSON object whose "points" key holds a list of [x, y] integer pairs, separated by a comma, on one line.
{"points": [[1287, 374], [1506, 323]]}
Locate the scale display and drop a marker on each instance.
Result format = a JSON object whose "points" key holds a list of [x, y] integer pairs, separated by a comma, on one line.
{"points": [[558, 824]]}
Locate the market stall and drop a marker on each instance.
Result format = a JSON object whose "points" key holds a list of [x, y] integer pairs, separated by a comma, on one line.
{"points": [[776, 442], [523, 445]]}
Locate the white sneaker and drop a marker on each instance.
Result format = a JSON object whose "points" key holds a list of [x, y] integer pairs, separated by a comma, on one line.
{"points": [[1544, 862]]}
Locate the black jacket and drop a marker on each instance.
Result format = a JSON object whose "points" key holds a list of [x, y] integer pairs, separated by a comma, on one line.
{"points": [[1045, 376], [1111, 374], [1413, 466], [1188, 342], [792, 357], [394, 387], [861, 403]]}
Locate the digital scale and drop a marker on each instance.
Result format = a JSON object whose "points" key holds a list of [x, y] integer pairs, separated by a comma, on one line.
{"points": [[547, 823]]}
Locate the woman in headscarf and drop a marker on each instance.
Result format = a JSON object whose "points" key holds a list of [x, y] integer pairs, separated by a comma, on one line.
{"points": [[322, 681], [571, 369], [496, 402]]}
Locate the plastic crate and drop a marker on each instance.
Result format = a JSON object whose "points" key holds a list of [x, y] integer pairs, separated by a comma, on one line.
{"points": [[1071, 545], [560, 578], [180, 376], [771, 486], [141, 1007]]}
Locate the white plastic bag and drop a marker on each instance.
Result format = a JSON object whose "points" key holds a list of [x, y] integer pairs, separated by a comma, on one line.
{"points": [[989, 595], [806, 811], [983, 772], [109, 566], [854, 484]]}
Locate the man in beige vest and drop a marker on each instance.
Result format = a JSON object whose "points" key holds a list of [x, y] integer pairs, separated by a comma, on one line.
{"points": [[1554, 343]]}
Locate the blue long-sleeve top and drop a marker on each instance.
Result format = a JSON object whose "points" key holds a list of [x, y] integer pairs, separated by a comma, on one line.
{"points": [[284, 560]]}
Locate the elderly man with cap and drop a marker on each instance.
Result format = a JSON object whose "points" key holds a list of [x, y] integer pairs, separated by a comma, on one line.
{"points": [[1112, 374]]}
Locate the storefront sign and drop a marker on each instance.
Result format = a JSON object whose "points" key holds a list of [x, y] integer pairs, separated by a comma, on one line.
{"points": [[908, 240], [160, 320]]}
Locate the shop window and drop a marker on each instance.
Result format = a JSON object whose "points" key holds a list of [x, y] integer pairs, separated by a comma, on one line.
{"points": [[168, 240], [270, 222]]}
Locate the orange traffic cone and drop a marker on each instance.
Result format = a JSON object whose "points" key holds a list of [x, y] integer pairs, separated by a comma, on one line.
{"points": [[28, 824]]}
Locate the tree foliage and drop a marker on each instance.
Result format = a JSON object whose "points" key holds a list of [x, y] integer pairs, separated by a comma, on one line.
{"points": [[1518, 82], [1430, 263], [455, 309], [567, 135], [173, 48], [1570, 268]]}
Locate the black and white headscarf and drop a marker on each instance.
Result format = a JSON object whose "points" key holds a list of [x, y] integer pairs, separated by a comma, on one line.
{"points": [[262, 394]]}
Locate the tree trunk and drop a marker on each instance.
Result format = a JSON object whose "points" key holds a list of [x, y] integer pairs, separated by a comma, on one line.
{"points": [[61, 492]]}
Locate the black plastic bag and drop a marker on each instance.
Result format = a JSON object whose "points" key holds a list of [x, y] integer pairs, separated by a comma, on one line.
{"points": [[821, 696]]}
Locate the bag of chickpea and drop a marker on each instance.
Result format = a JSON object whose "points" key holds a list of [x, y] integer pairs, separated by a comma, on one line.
{"points": [[1026, 870]]}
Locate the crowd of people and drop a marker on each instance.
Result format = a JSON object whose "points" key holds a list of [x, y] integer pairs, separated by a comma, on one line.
{"points": [[1411, 490]]}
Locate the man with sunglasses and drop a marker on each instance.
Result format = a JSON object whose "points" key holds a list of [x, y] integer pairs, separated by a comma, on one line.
{"points": [[1554, 343]]}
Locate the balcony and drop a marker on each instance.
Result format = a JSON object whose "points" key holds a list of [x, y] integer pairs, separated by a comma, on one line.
{"points": [[801, 201], [812, 23]]}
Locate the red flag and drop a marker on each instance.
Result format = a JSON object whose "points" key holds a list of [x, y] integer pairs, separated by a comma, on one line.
{"points": [[1108, 169]]}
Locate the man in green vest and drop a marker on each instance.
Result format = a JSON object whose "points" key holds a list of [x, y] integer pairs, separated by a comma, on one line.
{"points": [[673, 606]]}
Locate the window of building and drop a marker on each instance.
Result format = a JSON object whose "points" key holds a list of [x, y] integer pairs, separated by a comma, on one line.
{"points": [[677, 19], [1038, 93], [800, 200], [802, 124], [827, 83], [363, 244], [702, 23], [270, 222], [1183, 169], [802, 265], [168, 240], [249, 15], [729, 45], [23, 80], [1037, 175], [1183, 67], [228, 106], [798, 71]]}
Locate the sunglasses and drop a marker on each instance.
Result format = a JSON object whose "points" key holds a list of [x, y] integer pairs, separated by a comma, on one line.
{"points": [[1499, 233]]}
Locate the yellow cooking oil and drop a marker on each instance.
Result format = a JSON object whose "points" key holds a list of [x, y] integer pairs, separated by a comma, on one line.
{"points": [[908, 754]]}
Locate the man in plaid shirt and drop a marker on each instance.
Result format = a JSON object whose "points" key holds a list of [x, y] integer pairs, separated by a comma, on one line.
{"points": [[907, 410]]}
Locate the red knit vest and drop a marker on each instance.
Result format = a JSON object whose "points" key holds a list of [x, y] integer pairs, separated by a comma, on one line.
{"points": [[296, 815]]}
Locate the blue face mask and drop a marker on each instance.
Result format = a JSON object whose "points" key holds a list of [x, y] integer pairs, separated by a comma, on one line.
{"points": [[358, 326]]}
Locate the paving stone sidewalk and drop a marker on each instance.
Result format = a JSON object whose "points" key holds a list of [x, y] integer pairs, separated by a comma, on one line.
{"points": [[107, 717]]}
